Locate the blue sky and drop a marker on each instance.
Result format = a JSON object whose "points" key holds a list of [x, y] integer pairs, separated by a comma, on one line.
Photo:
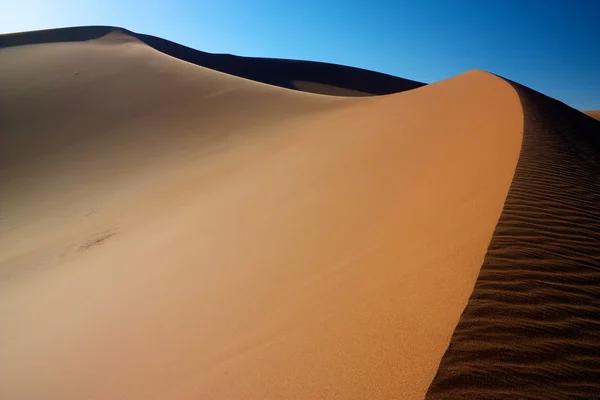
{"points": [[550, 45]]}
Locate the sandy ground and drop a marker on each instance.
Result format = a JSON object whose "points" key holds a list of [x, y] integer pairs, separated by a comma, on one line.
{"points": [[172, 232], [530, 329]]}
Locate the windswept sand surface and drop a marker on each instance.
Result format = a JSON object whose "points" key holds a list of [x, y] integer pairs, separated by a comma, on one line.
{"points": [[169, 231], [172, 232], [531, 329]]}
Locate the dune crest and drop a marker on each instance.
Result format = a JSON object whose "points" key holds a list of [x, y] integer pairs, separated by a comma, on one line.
{"points": [[530, 329], [222, 238], [339, 80]]}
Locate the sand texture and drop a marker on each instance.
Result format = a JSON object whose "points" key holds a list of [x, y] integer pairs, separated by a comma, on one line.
{"points": [[531, 329], [177, 224], [173, 232]]}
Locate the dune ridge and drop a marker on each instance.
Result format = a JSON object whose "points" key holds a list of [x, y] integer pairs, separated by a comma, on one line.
{"points": [[531, 329], [223, 238], [322, 78]]}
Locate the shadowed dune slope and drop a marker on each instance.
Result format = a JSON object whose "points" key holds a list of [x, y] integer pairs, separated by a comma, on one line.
{"points": [[531, 329], [594, 114], [173, 232], [320, 88], [322, 78], [114, 111]]}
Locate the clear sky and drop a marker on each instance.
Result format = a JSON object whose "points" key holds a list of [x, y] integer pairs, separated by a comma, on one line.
{"points": [[549, 45]]}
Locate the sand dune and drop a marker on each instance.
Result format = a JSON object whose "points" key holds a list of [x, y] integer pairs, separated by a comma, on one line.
{"points": [[173, 232], [531, 328], [179, 225], [594, 114], [114, 110], [322, 78]]}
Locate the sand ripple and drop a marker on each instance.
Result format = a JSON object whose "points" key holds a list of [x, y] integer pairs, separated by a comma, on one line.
{"points": [[531, 329]]}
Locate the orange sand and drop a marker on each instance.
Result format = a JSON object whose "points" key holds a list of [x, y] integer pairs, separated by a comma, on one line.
{"points": [[594, 114], [173, 232]]}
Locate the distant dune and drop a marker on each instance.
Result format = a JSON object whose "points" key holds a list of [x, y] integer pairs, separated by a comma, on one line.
{"points": [[177, 224], [594, 114], [323, 78]]}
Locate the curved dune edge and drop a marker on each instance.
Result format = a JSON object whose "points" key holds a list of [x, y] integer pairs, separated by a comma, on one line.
{"points": [[340, 80], [531, 327], [221, 238]]}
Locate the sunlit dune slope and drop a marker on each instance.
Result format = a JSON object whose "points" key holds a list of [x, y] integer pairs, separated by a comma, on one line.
{"points": [[322, 78], [169, 231], [531, 327]]}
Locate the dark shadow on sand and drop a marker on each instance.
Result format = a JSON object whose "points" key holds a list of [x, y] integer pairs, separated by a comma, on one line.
{"points": [[278, 72]]}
